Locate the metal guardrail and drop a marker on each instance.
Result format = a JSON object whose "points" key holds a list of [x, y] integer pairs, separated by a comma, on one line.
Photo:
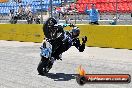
{"points": [[101, 22], [76, 16]]}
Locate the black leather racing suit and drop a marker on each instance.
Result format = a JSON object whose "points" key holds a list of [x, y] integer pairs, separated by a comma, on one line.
{"points": [[62, 44]]}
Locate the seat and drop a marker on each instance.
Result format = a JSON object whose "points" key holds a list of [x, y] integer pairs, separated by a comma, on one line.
{"points": [[57, 3], [84, 6], [119, 1], [81, 8], [84, 1], [111, 7], [112, 0], [106, 5], [126, 6], [72, 6], [121, 8], [87, 1], [79, 1], [102, 8], [81, 5], [130, 6], [102, 1], [77, 6], [89, 6], [124, 0], [92, 1], [98, 6]]}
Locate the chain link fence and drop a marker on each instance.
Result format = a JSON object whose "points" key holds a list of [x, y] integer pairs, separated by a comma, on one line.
{"points": [[73, 11]]}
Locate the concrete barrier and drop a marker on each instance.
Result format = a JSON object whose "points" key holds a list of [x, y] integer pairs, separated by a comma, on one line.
{"points": [[117, 36], [21, 32]]}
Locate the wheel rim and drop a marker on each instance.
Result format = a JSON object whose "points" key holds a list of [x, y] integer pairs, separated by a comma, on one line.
{"points": [[45, 70]]}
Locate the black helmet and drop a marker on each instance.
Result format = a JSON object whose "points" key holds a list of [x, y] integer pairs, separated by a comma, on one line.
{"points": [[48, 25], [75, 32], [51, 21]]}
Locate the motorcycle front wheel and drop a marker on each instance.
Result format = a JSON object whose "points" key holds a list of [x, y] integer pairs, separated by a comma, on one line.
{"points": [[44, 67]]}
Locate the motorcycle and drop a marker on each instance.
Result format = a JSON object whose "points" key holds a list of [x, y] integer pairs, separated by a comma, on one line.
{"points": [[47, 59]]}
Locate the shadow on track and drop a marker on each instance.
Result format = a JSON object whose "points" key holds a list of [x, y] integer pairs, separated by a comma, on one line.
{"points": [[60, 76]]}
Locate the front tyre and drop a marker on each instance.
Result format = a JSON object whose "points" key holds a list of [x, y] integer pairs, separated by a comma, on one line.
{"points": [[42, 68]]}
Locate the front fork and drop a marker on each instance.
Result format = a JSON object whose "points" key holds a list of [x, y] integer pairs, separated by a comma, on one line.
{"points": [[48, 61]]}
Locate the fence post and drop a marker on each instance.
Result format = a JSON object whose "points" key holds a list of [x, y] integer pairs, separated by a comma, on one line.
{"points": [[41, 12]]}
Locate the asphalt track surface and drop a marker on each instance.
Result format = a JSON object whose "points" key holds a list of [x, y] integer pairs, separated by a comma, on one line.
{"points": [[19, 60]]}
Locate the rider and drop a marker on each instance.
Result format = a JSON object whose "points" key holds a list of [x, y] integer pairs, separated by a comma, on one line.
{"points": [[67, 39]]}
